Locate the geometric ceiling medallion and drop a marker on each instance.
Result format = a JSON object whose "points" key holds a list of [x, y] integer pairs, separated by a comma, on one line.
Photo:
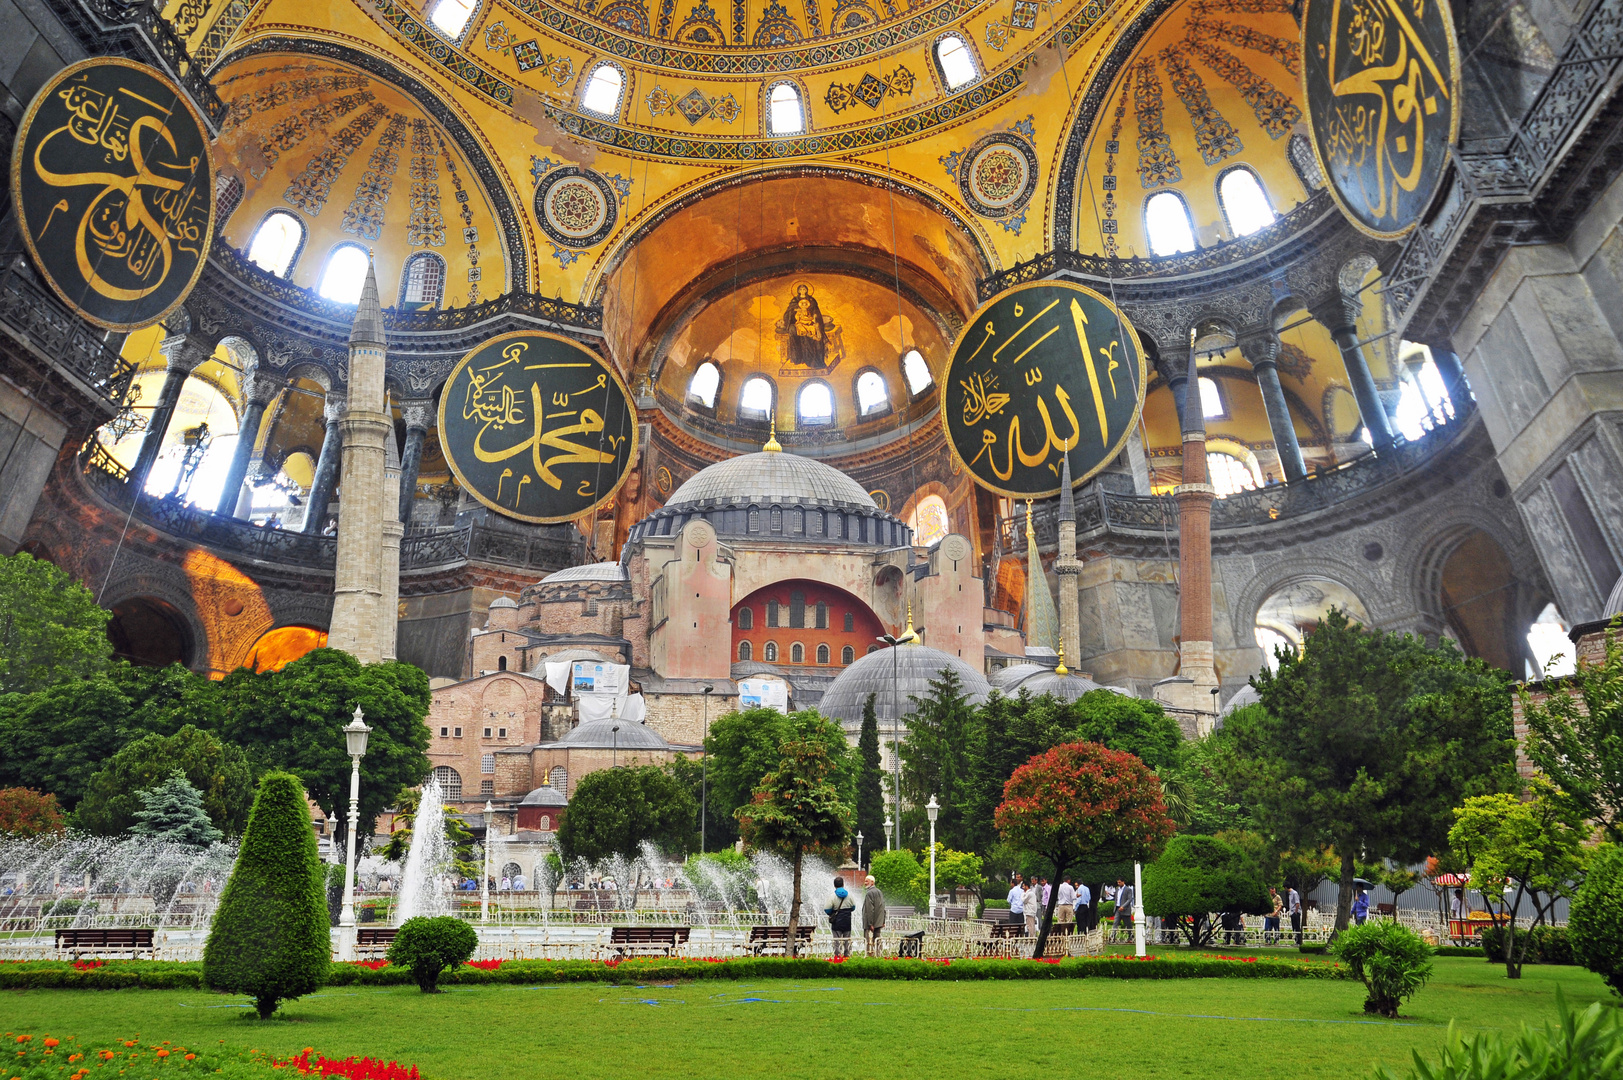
{"points": [[575, 207], [997, 177]]}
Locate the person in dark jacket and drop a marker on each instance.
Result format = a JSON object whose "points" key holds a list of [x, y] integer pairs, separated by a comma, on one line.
{"points": [[839, 909], [873, 914]]}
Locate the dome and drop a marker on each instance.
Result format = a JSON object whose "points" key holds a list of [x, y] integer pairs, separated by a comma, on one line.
{"points": [[1006, 679], [1246, 695], [546, 795], [770, 476], [600, 571], [1066, 687], [894, 678], [1614, 602], [600, 735], [504, 602]]}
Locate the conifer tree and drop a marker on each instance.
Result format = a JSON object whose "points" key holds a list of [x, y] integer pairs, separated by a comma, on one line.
{"points": [[870, 792], [174, 811]]}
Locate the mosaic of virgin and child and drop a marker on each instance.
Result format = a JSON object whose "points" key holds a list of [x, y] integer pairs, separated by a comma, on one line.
{"points": [[811, 340]]}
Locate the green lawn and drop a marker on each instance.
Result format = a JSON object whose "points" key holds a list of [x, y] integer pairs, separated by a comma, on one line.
{"points": [[831, 1027]]}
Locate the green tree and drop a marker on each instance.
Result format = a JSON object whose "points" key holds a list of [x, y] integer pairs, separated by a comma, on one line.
{"points": [[270, 938], [218, 769], [745, 746], [953, 870], [1197, 875], [870, 786], [720, 831], [430, 945], [934, 759], [1367, 742], [797, 809], [293, 719], [1595, 924], [25, 813], [164, 700], [1528, 850], [615, 811], [51, 630], [1202, 775], [1390, 959], [897, 875], [173, 810], [1575, 735], [55, 739]]}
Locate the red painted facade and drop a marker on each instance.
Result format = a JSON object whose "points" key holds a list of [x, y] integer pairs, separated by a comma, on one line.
{"points": [[796, 604]]}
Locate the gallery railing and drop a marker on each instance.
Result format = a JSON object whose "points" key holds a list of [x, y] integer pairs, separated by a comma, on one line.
{"points": [[41, 321]]}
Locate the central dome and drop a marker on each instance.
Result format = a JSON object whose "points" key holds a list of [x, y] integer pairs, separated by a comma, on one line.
{"points": [[771, 476]]}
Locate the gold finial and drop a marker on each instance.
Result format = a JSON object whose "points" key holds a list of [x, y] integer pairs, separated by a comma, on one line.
{"points": [[772, 445], [909, 636], [1061, 669], [1031, 532]]}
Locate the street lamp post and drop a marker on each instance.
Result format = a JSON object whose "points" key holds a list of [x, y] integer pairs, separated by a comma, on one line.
{"points": [[888, 824], [1138, 907], [859, 847], [704, 777], [931, 809], [908, 637], [484, 879], [614, 758], [355, 738]]}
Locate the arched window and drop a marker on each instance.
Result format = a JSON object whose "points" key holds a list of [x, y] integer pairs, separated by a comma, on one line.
{"points": [[744, 650], [822, 654], [850, 622], [771, 654], [797, 653], [873, 648], [797, 610], [815, 406], [821, 614], [1229, 474], [746, 618], [559, 777], [848, 655], [1212, 405], [276, 243], [929, 521], [450, 17], [784, 113], [546, 822], [872, 395], [1244, 203], [772, 613], [228, 192], [422, 282], [487, 763], [1305, 164], [917, 372], [450, 782], [957, 63], [1166, 220], [345, 274], [604, 88], [755, 400], [704, 384], [501, 663]]}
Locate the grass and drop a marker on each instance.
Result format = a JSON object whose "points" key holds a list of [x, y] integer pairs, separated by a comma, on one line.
{"points": [[823, 1028]]}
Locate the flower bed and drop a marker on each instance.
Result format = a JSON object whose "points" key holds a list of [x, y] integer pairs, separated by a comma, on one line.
{"points": [[46, 1057]]}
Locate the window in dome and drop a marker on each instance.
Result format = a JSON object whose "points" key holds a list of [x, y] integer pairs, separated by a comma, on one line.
{"points": [[771, 654], [1304, 162], [1212, 405], [755, 400], [704, 384], [228, 192], [744, 650], [797, 653], [816, 404], [1166, 220], [276, 243], [1244, 203], [929, 521], [746, 618], [604, 88], [917, 371], [422, 285], [848, 655], [345, 274], [956, 61], [822, 654], [450, 17], [784, 113], [872, 396], [1229, 474]]}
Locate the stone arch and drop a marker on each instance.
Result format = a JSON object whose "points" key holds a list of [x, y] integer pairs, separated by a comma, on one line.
{"points": [[165, 594], [1461, 574], [1280, 575], [316, 373], [150, 632]]}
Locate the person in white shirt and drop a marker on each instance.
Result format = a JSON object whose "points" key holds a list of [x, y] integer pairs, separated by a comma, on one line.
{"points": [[1084, 904], [1033, 904], [1293, 906], [1065, 910], [1017, 900]]}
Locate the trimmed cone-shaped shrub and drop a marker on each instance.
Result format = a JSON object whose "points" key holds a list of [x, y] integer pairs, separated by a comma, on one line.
{"points": [[1595, 926], [270, 935], [430, 945]]}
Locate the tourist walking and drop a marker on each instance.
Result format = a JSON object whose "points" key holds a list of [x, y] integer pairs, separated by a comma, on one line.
{"points": [[1360, 908], [1084, 907], [1017, 901], [1033, 898], [1270, 921], [1124, 903], [1294, 904], [839, 909], [873, 915]]}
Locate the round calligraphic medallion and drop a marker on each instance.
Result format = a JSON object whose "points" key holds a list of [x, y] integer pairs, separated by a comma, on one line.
{"points": [[114, 191], [1382, 85], [576, 207], [998, 175], [1040, 371], [537, 427]]}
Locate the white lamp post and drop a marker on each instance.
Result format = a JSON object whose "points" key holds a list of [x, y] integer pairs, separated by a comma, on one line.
{"points": [[931, 809], [484, 878], [859, 847], [1138, 907], [888, 824], [355, 736]]}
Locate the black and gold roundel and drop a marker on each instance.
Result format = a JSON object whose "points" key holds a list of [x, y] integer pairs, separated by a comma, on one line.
{"points": [[537, 427], [114, 191], [1042, 370], [1382, 84]]}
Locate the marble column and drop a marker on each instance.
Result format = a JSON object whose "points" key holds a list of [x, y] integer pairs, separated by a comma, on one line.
{"points": [[183, 354], [258, 390], [1196, 653], [418, 415], [326, 478], [1338, 316], [1261, 350], [1452, 372], [1067, 567], [393, 531]]}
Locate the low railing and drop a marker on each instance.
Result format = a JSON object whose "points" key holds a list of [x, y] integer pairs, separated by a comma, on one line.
{"points": [[58, 335]]}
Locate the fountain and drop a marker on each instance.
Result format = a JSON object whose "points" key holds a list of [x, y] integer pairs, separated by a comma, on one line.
{"points": [[424, 885]]}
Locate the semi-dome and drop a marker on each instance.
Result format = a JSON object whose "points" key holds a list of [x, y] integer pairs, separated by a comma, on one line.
{"points": [[545, 795], [1614, 602], [1246, 695], [770, 476], [895, 675], [1067, 687], [504, 602], [601, 735], [599, 571]]}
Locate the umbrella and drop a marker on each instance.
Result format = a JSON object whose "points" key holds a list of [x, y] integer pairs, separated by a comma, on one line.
{"points": [[1363, 883]]}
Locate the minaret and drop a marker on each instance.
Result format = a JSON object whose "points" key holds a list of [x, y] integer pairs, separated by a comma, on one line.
{"points": [[1194, 498], [1068, 567], [393, 530], [1042, 622], [359, 580]]}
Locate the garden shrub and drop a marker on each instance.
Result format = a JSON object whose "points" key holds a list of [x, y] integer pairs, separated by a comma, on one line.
{"points": [[270, 938], [1585, 1044], [895, 872], [1549, 944], [332, 887], [427, 946], [1391, 960], [1197, 875], [1595, 924], [1458, 950]]}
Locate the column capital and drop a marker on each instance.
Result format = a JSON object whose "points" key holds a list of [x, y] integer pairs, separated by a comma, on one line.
{"points": [[260, 387], [185, 353], [418, 414], [1260, 347], [334, 408], [1337, 313]]}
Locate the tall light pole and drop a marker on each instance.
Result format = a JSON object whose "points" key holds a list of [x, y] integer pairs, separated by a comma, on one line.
{"points": [[614, 759], [1138, 907], [888, 824], [931, 809], [859, 847], [484, 879], [704, 776], [355, 738], [909, 636]]}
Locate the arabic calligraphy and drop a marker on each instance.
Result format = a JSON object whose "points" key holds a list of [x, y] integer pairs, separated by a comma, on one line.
{"points": [[537, 427], [114, 187], [1382, 82], [1042, 371]]}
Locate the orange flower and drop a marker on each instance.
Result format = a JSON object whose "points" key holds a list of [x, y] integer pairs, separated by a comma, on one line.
{"points": [[74, 1057], [163, 1053], [191, 1057], [53, 1042], [130, 1043], [25, 1038]]}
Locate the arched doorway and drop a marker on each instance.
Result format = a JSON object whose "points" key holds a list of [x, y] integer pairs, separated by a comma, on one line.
{"points": [[149, 632], [1479, 598]]}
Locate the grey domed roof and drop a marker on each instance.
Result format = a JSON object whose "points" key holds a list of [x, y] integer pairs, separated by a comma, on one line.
{"points": [[770, 477], [601, 571], [1066, 687], [504, 602], [1009, 677], [915, 666], [1614, 602], [600, 735], [545, 795], [1246, 695]]}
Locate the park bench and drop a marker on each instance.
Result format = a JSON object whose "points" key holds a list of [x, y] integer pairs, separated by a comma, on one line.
{"points": [[122, 939], [954, 911], [664, 940], [775, 939], [374, 938], [1001, 939]]}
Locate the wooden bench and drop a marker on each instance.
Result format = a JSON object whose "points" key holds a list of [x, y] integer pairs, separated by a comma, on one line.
{"points": [[125, 939], [775, 939], [374, 938], [1002, 938], [648, 939]]}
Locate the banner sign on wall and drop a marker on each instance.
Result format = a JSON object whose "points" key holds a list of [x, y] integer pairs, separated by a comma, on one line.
{"points": [[763, 694]]}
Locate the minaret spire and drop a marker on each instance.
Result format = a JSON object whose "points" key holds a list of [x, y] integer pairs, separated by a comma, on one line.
{"points": [[1068, 568]]}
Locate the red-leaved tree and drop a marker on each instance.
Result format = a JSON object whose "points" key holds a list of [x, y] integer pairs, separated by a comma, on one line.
{"points": [[25, 812], [1081, 802]]}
